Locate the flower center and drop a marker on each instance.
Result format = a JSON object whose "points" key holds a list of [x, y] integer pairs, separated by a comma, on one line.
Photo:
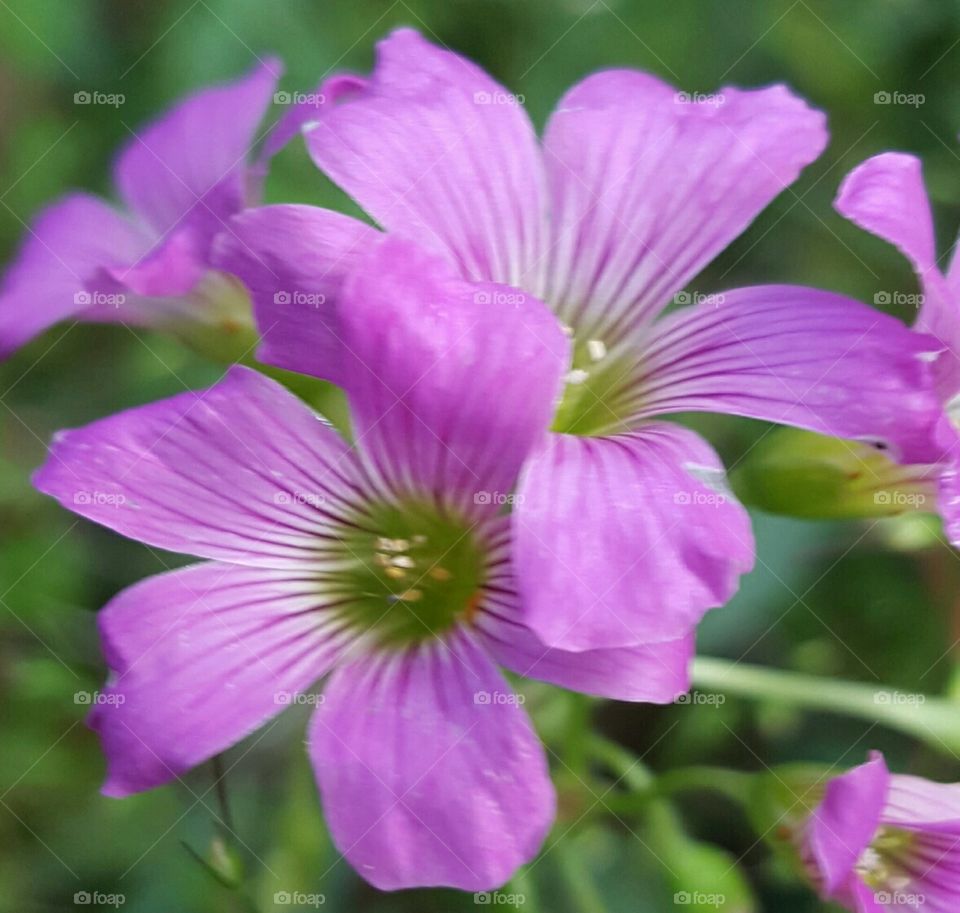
{"points": [[405, 574], [885, 864], [596, 398]]}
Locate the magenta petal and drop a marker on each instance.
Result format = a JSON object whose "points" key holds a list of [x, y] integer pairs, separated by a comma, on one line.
{"points": [[846, 820], [173, 267], [429, 770], [243, 472], [309, 109], [923, 805], [294, 259], [199, 658], [658, 673], [450, 383], [626, 540], [649, 184], [885, 195], [437, 151], [797, 356], [191, 164], [60, 270]]}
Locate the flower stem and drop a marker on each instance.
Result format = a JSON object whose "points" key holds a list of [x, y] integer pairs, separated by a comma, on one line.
{"points": [[223, 799], [934, 720]]}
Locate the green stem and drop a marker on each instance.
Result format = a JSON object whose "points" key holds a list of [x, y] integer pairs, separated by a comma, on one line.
{"points": [[632, 772], [220, 783], [522, 884], [933, 720], [644, 786], [582, 889], [576, 736]]}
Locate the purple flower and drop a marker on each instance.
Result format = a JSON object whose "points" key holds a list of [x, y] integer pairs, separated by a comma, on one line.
{"points": [[885, 842], [148, 263], [885, 195], [624, 530], [386, 566]]}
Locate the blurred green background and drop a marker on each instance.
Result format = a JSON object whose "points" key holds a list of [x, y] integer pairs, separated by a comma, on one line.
{"points": [[874, 602]]}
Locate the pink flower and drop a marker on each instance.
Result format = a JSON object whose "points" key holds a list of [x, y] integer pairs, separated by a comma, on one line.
{"points": [[885, 195], [624, 530], [384, 568], [148, 262], [880, 842]]}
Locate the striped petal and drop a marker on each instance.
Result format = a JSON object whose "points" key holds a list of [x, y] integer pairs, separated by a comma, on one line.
{"points": [[648, 185], [435, 150], [199, 658], [242, 472], [626, 540], [796, 356], [450, 383], [429, 770]]}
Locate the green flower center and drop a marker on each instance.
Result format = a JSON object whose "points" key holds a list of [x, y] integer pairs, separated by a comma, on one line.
{"points": [[887, 863], [405, 574], [596, 396]]}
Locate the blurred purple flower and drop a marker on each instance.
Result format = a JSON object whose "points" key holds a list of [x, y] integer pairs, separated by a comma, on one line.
{"points": [[885, 195], [179, 180], [625, 532], [386, 566], [880, 842]]}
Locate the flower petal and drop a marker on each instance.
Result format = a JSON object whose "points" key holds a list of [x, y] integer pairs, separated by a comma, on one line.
{"points": [[658, 673], [845, 822], [626, 540], [648, 185], [199, 658], [243, 471], [430, 772], [294, 259], [886, 196], [190, 165], [437, 151], [63, 264], [796, 356], [450, 383], [916, 803]]}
